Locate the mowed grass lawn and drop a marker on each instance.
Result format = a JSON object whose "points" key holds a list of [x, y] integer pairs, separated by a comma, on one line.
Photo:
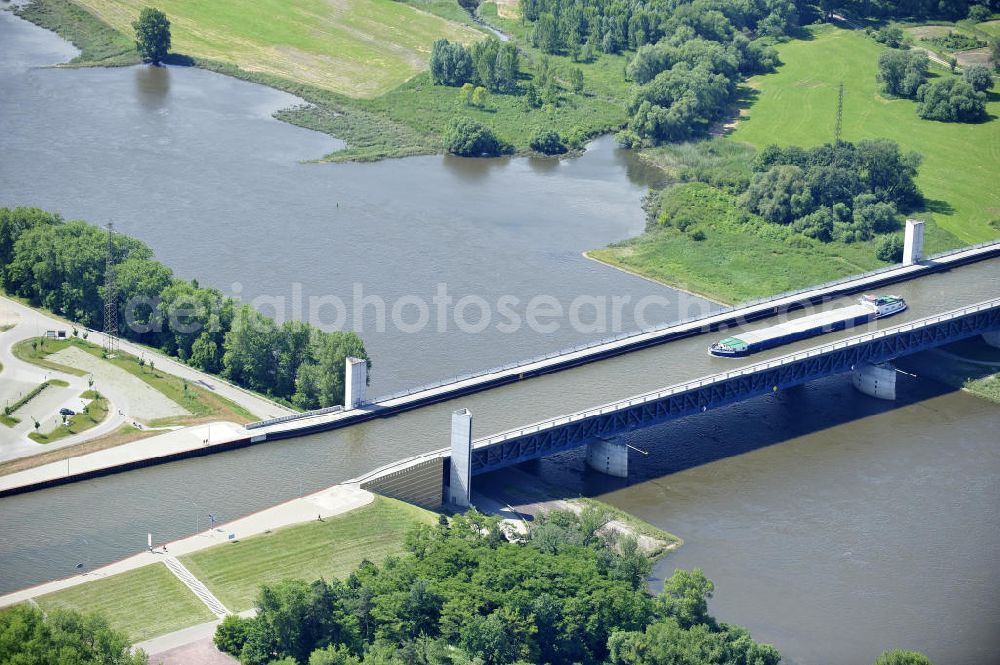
{"points": [[327, 549], [797, 105], [359, 48], [142, 603]]}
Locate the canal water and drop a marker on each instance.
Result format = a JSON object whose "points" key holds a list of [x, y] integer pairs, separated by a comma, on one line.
{"points": [[834, 525]]}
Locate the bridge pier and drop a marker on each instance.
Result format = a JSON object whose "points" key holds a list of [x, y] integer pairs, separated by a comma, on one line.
{"points": [[355, 380], [913, 242], [877, 381], [608, 456], [460, 489], [992, 338]]}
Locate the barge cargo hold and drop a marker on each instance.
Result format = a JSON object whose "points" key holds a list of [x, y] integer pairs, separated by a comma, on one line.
{"points": [[868, 308]]}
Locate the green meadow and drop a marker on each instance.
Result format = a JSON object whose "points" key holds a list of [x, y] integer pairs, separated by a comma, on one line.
{"points": [[738, 260], [358, 48], [796, 106]]}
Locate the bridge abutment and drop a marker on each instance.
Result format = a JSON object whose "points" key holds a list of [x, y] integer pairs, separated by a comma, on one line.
{"points": [[608, 456], [877, 381], [992, 338], [355, 380], [460, 479]]}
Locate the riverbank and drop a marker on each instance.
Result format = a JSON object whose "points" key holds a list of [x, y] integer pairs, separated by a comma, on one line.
{"points": [[405, 120]]}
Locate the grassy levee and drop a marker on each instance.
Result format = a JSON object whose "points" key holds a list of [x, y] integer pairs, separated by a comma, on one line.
{"points": [[796, 106], [360, 48], [143, 603], [328, 549]]}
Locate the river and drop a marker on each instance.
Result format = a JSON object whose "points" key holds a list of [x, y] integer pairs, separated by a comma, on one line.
{"points": [[834, 525]]}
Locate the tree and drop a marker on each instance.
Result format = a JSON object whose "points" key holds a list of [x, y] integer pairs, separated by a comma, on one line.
{"points": [[547, 141], [232, 634], [901, 73], [890, 35], [468, 138], [951, 100], [451, 63], [63, 636], [152, 35], [576, 80], [979, 77], [901, 657], [979, 13], [779, 194], [685, 598]]}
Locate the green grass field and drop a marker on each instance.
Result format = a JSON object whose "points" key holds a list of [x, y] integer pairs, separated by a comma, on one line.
{"points": [[796, 105], [142, 603], [328, 549], [359, 48]]}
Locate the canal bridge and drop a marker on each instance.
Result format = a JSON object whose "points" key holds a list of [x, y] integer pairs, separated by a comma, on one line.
{"points": [[867, 357], [342, 443]]}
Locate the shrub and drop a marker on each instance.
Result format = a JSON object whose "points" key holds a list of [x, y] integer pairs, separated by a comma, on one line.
{"points": [[467, 138], [547, 141], [890, 249], [697, 235]]}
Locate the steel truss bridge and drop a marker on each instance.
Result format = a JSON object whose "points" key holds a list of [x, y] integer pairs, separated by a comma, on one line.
{"points": [[572, 431]]}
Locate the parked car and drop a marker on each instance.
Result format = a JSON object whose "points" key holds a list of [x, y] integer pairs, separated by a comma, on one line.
{"points": [[66, 412]]}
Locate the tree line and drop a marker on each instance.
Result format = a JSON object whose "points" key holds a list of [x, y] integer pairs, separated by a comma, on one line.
{"points": [[60, 266], [567, 593]]}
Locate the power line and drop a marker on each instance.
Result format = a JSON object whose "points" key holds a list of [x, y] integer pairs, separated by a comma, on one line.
{"points": [[838, 133], [110, 297]]}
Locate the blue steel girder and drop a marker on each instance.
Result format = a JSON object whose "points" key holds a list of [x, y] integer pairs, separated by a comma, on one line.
{"points": [[637, 413]]}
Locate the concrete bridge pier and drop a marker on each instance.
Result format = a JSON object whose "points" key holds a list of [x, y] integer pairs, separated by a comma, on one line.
{"points": [[877, 381], [608, 456], [992, 338], [355, 380], [460, 488]]}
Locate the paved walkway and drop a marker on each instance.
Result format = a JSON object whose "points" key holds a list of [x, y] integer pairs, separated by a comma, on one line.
{"points": [[325, 503]]}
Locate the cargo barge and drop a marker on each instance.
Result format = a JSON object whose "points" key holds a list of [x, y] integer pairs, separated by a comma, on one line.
{"points": [[868, 308]]}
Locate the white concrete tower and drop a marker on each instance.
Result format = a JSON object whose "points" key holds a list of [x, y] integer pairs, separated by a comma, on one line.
{"points": [[460, 490], [913, 244], [355, 380]]}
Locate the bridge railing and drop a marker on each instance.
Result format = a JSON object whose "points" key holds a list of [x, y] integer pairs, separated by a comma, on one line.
{"points": [[652, 396], [660, 328], [293, 416]]}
